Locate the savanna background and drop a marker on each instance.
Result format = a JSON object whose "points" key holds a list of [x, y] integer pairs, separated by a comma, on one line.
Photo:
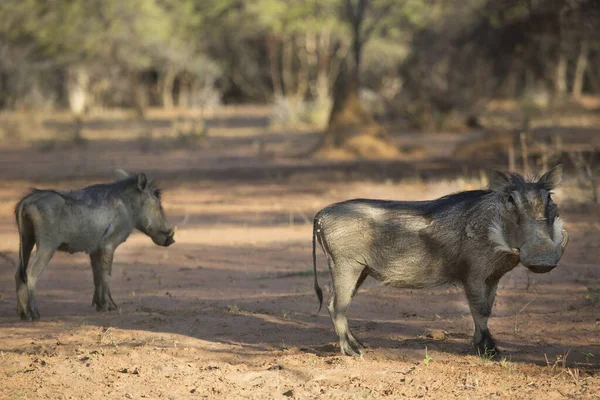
{"points": [[253, 115]]}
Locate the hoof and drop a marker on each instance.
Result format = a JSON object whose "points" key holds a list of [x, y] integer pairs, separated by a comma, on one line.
{"points": [[35, 315], [347, 350], [104, 303], [106, 307], [24, 316], [31, 315]]}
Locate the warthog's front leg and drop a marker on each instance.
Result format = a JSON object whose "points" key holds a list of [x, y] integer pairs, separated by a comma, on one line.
{"points": [[481, 295], [102, 267]]}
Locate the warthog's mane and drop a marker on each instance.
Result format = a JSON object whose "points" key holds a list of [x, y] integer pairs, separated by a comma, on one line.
{"points": [[467, 199], [99, 191]]}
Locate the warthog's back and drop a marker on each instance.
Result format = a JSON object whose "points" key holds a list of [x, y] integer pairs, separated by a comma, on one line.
{"points": [[75, 220], [405, 244]]}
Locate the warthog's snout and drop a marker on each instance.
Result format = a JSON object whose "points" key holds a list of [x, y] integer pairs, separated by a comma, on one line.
{"points": [[169, 241], [170, 237], [543, 259], [541, 269]]}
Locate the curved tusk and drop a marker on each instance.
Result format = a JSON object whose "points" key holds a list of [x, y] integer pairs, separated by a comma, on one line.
{"points": [[565, 239], [516, 251]]}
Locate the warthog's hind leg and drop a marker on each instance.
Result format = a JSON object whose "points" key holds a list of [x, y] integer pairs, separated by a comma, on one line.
{"points": [[27, 239], [43, 255], [346, 279], [101, 267]]}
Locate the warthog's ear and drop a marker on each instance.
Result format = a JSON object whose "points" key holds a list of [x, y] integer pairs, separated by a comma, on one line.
{"points": [[120, 174], [142, 181], [552, 178], [498, 180]]}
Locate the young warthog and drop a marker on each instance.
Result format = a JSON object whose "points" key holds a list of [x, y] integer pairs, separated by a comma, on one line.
{"points": [[472, 237], [95, 220]]}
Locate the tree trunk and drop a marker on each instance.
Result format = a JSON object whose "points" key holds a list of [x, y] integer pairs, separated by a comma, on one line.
{"points": [[321, 90], [77, 89], [138, 94], [352, 131], [272, 47], [168, 81], [580, 68], [288, 66], [307, 56], [560, 82], [594, 80], [183, 99]]}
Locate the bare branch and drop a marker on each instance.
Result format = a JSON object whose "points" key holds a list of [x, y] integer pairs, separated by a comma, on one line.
{"points": [[381, 12]]}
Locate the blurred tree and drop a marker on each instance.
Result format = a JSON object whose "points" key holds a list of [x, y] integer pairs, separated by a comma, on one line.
{"points": [[427, 58], [522, 49], [351, 128], [98, 37]]}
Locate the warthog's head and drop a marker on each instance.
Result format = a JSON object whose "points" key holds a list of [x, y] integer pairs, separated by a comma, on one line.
{"points": [[150, 217], [528, 225]]}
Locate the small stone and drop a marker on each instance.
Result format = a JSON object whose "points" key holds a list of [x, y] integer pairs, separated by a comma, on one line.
{"points": [[289, 393]]}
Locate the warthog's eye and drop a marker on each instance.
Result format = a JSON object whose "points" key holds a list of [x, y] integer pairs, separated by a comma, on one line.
{"points": [[157, 193], [549, 198], [510, 200]]}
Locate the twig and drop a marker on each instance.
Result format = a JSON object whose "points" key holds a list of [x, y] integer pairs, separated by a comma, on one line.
{"points": [[524, 153], [517, 316], [511, 158], [103, 334]]}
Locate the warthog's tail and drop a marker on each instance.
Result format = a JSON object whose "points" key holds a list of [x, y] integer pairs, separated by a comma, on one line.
{"points": [[19, 217], [316, 231]]}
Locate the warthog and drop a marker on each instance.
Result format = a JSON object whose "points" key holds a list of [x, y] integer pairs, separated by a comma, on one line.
{"points": [[472, 238], [95, 220]]}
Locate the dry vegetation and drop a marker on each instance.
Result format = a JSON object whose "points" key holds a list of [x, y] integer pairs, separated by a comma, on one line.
{"points": [[229, 311]]}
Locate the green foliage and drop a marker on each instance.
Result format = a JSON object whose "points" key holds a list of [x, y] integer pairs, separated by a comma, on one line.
{"points": [[427, 358], [284, 48], [133, 33]]}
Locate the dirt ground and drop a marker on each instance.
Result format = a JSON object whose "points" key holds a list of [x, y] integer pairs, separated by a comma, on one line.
{"points": [[229, 311]]}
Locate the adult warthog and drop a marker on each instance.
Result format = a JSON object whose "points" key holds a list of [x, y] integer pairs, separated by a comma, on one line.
{"points": [[472, 237], [95, 220]]}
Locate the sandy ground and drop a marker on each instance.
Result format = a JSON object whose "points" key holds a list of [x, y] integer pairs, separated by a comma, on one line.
{"points": [[229, 311]]}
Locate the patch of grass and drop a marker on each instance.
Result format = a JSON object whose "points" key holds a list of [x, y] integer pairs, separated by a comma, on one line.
{"points": [[488, 355], [233, 309], [427, 358], [559, 367], [508, 365], [588, 356], [593, 296]]}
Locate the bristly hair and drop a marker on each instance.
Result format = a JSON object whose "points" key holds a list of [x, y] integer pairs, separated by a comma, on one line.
{"points": [[518, 182]]}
